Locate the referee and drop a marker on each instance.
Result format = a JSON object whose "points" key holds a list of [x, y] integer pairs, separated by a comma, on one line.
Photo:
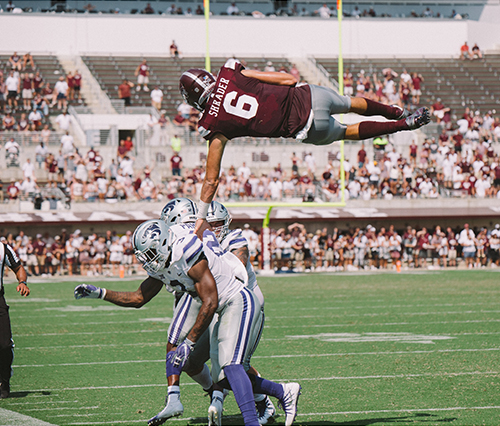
{"points": [[8, 258]]}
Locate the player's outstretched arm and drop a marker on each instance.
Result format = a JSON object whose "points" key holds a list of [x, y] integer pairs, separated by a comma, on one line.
{"points": [[211, 181], [277, 78], [148, 289]]}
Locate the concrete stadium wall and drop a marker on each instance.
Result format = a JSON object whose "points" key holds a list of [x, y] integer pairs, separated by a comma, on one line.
{"points": [[151, 35]]}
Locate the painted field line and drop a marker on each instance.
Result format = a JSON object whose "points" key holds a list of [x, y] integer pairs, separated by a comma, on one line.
{"points": [[42, 402], [302, 379], [383, 323], [11, 418], [410, 410], [77, 364], [384, 314], [94, 346], [91, 333], [63, 408], [285, 339], [427, 305]]}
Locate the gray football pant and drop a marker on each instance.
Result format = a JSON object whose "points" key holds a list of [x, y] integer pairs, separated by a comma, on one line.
{"points": [[325, 129]]}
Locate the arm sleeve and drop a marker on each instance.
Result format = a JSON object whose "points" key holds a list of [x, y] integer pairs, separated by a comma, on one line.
{"points": [[11, 258]]}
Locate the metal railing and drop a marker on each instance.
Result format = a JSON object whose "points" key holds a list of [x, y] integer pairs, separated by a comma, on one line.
{"points": [[31, 138]]}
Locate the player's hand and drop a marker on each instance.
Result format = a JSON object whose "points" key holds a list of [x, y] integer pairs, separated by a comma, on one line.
{"points": [[89, 290], [182, 354], [200, 227], [23, 289]]}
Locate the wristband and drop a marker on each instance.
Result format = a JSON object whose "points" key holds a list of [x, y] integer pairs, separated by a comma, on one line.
{"points": [[23, 282], [190, 343], [103, 293], [202, 210]]}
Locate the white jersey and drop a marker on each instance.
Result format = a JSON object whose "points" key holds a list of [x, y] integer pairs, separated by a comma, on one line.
{"points": [[235, 240], [229, 274]]}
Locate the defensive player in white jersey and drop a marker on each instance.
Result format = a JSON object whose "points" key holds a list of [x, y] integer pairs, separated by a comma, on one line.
{"points": [[179, 260], [219, 219]]}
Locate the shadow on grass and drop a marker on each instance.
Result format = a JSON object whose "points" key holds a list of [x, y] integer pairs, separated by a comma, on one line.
{"points": [[24, 394], [414, 418]]}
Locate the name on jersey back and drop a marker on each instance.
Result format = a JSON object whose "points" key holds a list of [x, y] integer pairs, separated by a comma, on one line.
{"points": [[218, 96]]}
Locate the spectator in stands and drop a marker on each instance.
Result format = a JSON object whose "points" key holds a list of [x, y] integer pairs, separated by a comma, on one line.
{"points": [[27, 90], [71, 85], [77, 86], [28, 60], [63, 120], [324, 11], [35, 120], [13, 191], [28, 187], [9, 122], [176, 164], [23, 125], [199, 10], [124, 91], [67, 144], [3, 93], [15, 62], [61, 89], [467, 240], [174, 50], [148, 10], [156, 98], [13, 85], [142, 74], [416, 89], [465, 52], [28, 169], [476, 52], [172, 10], [269, 67], [232, 9], [439, 110]]}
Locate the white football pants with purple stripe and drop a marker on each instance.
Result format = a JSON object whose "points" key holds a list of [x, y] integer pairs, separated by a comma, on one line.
{"points": [[185, 314], [236, 334]]}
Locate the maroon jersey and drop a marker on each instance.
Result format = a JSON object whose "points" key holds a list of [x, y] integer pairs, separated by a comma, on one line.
{"points": [[77, 80], [243, 106]]}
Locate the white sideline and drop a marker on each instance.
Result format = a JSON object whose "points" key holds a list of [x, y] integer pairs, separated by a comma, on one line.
{"points": [[11, 418], [303, 379]]}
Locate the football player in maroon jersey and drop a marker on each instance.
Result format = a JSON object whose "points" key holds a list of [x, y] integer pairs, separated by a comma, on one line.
{"points": [[242, 102]]}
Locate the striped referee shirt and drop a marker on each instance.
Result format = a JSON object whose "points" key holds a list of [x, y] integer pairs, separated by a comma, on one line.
{"points": [[7, 257]]}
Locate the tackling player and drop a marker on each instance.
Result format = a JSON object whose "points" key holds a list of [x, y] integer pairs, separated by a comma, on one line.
{"points": [[245, 102], [218, 218], [176, 258]]}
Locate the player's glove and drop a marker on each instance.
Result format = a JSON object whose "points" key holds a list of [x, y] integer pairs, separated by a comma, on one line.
{"points": [[182, 353], [89, 290]]}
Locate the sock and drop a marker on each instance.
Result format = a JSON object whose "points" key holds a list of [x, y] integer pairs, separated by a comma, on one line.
{"points": [[171, 370], [204, 378], [376, 108], [259, 397], [174, 393], [269, 388], [242, 390], [371, 129]]}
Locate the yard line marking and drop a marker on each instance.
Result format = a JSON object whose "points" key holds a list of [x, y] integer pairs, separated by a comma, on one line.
{"points": [[92, 333], [11, 418], [479, 333], [384, 323], [270, 317], [42, 402], [391, 306], [302, 379], [263, 357], [94, 346], [409, 410], [164, 320], [63, 408]]}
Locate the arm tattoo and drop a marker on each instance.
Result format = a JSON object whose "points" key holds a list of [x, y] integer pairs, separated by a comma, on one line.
{"points": [[242, 254]]}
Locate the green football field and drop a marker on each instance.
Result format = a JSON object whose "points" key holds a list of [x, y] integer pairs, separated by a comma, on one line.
{"points": [[368, 349]]}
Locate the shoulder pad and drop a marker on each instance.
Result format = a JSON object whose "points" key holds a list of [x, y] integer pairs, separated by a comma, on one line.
{"points": [[231, 63]]}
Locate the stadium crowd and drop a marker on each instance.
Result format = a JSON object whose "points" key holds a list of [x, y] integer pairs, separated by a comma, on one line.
{"points": [[293, 249]]}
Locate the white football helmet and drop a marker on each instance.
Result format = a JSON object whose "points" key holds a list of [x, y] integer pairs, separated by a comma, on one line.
{"points": [[218, 213], [179, 210], [151, 245]]}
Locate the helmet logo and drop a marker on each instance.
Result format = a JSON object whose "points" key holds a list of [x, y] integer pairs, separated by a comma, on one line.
{"points": [[153, 231]]}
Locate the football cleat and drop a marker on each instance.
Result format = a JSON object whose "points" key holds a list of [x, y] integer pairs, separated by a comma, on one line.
{"points": [[215, 411], [404, 112], [419, 118], [289, 402], [4, 390], [265, 411], [172, 409]]}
